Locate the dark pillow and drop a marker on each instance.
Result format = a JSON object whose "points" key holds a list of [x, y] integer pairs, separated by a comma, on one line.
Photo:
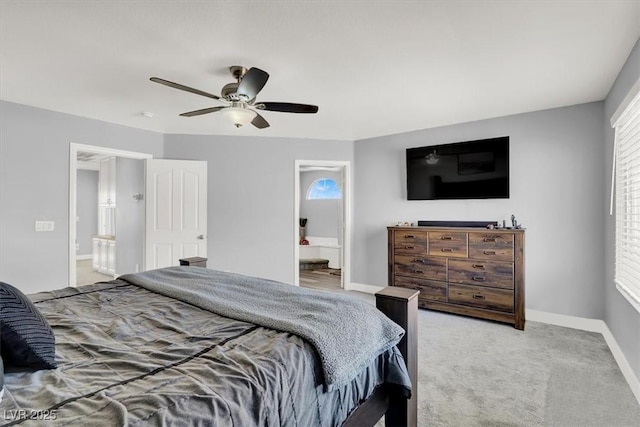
{"points": [[27, 340], [1, 379]]}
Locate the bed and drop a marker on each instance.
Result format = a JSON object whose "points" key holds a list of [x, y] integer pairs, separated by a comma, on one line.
{"points": [[193, 346]]}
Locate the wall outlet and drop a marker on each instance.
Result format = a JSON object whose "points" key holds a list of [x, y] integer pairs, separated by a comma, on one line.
{"points": [[44, 226]]}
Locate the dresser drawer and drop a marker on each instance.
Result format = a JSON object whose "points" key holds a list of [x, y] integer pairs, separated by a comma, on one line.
{"points": [[421, 266], [496, 246], [410, 242], [486, 273], [448, 244], [432, 290], [481, 297]]}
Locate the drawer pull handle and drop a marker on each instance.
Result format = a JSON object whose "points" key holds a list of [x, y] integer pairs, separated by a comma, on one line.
{"points": [[478, 278], [409, 236], [489, 252], [478, 296], [446, 238], [419, 260], [489, 239], [478, 266], [418, 272], [446, 250], [409, 247]]}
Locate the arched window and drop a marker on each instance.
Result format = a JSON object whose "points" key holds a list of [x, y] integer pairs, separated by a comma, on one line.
{"points": [[324, 188]]}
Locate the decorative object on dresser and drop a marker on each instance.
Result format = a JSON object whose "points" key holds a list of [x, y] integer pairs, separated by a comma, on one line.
{"points": [[463, 270]]}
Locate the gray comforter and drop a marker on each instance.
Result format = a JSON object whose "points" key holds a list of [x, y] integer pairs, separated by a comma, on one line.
{"points": [[346, 331], [128, 356]]}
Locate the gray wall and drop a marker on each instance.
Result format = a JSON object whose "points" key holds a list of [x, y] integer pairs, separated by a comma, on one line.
{"points": [[87, 210], [556, 193], [623, 320], [324, 216], [34, 185], [251, 197], [130, 215]]}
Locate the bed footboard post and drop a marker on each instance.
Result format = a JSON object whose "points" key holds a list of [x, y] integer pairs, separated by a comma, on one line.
{"points": [[401, 306]]}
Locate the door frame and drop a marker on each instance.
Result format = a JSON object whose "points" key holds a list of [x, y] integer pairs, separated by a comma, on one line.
{"points": [[74, 149], [346, 221]]}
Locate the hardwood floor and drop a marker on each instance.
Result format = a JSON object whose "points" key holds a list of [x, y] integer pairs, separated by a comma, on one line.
{"points": [[321, 278]]}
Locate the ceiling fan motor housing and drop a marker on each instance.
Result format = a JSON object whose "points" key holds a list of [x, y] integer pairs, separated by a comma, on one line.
{"points": [[229, 92]]}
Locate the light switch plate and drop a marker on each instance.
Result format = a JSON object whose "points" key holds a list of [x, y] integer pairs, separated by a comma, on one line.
{"points": [[44, 226]]}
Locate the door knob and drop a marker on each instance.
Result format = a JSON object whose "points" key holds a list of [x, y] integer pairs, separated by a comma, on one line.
{"points": [[201, 237]]}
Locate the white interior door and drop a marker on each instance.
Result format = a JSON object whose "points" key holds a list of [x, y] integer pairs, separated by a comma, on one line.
{"points": [[176, 211]]}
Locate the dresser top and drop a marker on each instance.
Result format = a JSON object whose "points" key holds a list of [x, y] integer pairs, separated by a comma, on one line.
{"points": [[476, 229]]}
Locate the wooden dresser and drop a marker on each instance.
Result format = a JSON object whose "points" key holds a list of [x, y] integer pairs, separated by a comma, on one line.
{"points": [[470, 271]]}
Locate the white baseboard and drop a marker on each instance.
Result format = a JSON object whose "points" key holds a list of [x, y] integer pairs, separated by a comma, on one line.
{"points": [[584, 324], [362, 287], [82, 257], [633, 381], [591, 325]]}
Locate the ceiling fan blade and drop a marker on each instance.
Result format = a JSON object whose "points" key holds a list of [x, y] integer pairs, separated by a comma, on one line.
{"points": [[259, 122], [287, 107], [183, 87], [201, 112], [252, 82]]}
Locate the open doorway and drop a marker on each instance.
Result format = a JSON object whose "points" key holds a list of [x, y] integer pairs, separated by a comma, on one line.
{"points": [[94, 210], [322, 224]]}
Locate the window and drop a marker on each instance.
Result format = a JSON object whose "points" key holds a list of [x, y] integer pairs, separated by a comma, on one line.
{"points": [[627, 195], [324, 188]]}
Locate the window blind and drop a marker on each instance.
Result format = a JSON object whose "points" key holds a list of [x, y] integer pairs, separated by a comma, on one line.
{"points": [[627, 195]]}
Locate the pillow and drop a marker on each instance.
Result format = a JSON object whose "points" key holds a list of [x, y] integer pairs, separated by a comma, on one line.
{"points": [[27, 340]]}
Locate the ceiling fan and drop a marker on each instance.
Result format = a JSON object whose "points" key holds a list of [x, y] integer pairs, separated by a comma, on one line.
{"points": [[240, 98]]}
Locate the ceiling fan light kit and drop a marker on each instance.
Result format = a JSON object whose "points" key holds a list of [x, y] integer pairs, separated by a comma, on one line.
{"points": [[240, 98], [239, 116]]}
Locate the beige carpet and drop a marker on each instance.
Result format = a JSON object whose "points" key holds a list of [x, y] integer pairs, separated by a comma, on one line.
{"points": [[480, 373], [85, 275], [475, 372]]}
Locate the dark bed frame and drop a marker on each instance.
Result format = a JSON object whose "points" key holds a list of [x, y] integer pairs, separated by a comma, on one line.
{"points": [[401, 306]]}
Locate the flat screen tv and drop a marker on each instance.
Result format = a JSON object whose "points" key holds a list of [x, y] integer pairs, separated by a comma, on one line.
{"points": [[464, 170]]}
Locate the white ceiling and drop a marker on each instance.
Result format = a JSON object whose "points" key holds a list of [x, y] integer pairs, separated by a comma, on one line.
{"points": [[373, 67]]}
